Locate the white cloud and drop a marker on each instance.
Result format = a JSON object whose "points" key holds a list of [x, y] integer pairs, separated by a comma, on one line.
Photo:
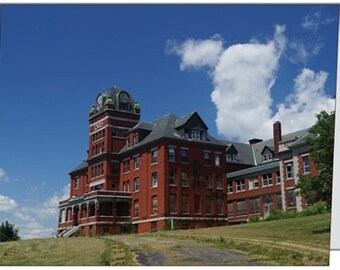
{"points": [[37, 220], [3, 175], [30, 228], [7, 204], [308, 98], [243, 76], [316, 18], [242, 81], [197, 53]]}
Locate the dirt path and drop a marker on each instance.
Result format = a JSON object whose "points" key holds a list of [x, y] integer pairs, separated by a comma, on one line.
{"points": [[154, 251]]}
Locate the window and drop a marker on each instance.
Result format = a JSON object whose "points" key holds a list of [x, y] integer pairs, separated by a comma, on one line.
{"points": [[136, 162], [76, 183], [195, 135], [126, 186], [230, 209], [232, 157], [136, 184], [278, 178], [289, 170], [97, 170], [217, 159], [241, 208], [154, 180], [240, 185], [206, 158], [253, 183], [185, 204], [267, 157], [154, 155], [219, 205], [128, 142], [115, 168], [208, 204], [291, 198], [135, 139], [126, 166], [254, 206], [197, 204], [119, 132], [184, 179], [184, 155], [136, 208], [267, 180], [154, 205], [172, 154], [172, 178], [207, 181], [306, 165], [230, 187], [172, 204], [219, 182]]}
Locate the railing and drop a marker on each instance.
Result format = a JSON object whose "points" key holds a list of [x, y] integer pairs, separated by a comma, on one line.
{"points": [[96, 193]]}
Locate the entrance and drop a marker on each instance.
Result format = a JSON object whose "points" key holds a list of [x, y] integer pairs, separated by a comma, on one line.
{"points": [[266, 209]]}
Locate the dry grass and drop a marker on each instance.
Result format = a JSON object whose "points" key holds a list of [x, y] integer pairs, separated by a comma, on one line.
{"points": [[47, 252]]}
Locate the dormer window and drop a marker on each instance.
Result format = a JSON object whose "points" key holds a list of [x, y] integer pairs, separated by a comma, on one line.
{"points": [[195, 135], [232, 157], [267, 158], [128, 142], [267, 154]]}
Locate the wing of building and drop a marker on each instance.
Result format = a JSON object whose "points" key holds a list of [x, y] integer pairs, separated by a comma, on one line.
{"points": [[144, 176]]}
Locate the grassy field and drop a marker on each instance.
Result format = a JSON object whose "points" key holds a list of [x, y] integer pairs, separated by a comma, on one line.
{"points": [[64, 251], [296, 241]]}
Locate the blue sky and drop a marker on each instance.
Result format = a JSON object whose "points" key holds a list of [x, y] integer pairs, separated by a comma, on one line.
{"points": [[240, 67]]}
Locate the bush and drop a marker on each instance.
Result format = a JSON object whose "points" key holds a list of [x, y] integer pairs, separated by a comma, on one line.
{"points": [[315, 209], [254, 218]]}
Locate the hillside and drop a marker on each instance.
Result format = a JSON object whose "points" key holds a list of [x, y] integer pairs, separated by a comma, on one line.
{"points": [[297, 241]]}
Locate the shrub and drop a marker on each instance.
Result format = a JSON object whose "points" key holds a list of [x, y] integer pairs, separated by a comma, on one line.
{"points": [[254, 218], [315, 209]]}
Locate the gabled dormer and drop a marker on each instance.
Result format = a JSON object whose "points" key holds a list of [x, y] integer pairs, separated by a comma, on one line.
{"points": [[232, 154], [192, 127], [267, 154]]}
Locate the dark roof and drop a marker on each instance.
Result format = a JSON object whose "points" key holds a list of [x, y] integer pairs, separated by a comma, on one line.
{"points": [[165, 127], [81, 166], [254, 170]]}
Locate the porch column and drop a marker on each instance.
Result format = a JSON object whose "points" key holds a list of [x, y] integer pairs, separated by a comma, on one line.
{"points": [[97, 208]]}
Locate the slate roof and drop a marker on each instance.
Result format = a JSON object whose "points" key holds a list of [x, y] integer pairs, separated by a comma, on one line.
{"points": [[251, 154], [81, 166], [165, 127], [254, 170]]}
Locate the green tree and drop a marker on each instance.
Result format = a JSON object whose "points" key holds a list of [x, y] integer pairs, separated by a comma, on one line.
{"points": [[319, 188], [8, 232]]}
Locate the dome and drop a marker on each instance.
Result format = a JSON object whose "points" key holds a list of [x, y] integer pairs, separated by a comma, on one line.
{"points": [[118, 99]]}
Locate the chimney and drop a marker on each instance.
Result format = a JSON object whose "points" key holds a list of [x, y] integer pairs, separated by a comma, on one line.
{"points": [[253, 141], [277, 135]]}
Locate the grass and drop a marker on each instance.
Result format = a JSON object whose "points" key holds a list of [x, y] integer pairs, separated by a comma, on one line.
{"points": [[296, 241], [80, 251]]}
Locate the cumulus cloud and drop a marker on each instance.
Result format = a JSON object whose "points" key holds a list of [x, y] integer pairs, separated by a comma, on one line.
{"points": [[7, 204], [243, 76], [308, 98], [34, 220], [197, 53], [316, 18]]}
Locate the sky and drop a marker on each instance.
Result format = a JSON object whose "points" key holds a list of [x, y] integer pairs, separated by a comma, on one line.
{"points": [[241, 67]]}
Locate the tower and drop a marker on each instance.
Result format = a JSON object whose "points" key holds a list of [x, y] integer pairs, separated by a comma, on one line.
{"points": [[110, 119]]}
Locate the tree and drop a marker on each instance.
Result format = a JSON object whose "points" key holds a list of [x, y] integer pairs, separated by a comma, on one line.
{"points": [[319, 187], [8, 232]]}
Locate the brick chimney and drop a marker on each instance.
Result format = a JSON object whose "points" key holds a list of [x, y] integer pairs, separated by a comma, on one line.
{"points": [[277, 135]]}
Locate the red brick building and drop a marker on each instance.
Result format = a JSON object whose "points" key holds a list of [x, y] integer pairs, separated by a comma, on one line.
{"points": [[142, 176]]}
